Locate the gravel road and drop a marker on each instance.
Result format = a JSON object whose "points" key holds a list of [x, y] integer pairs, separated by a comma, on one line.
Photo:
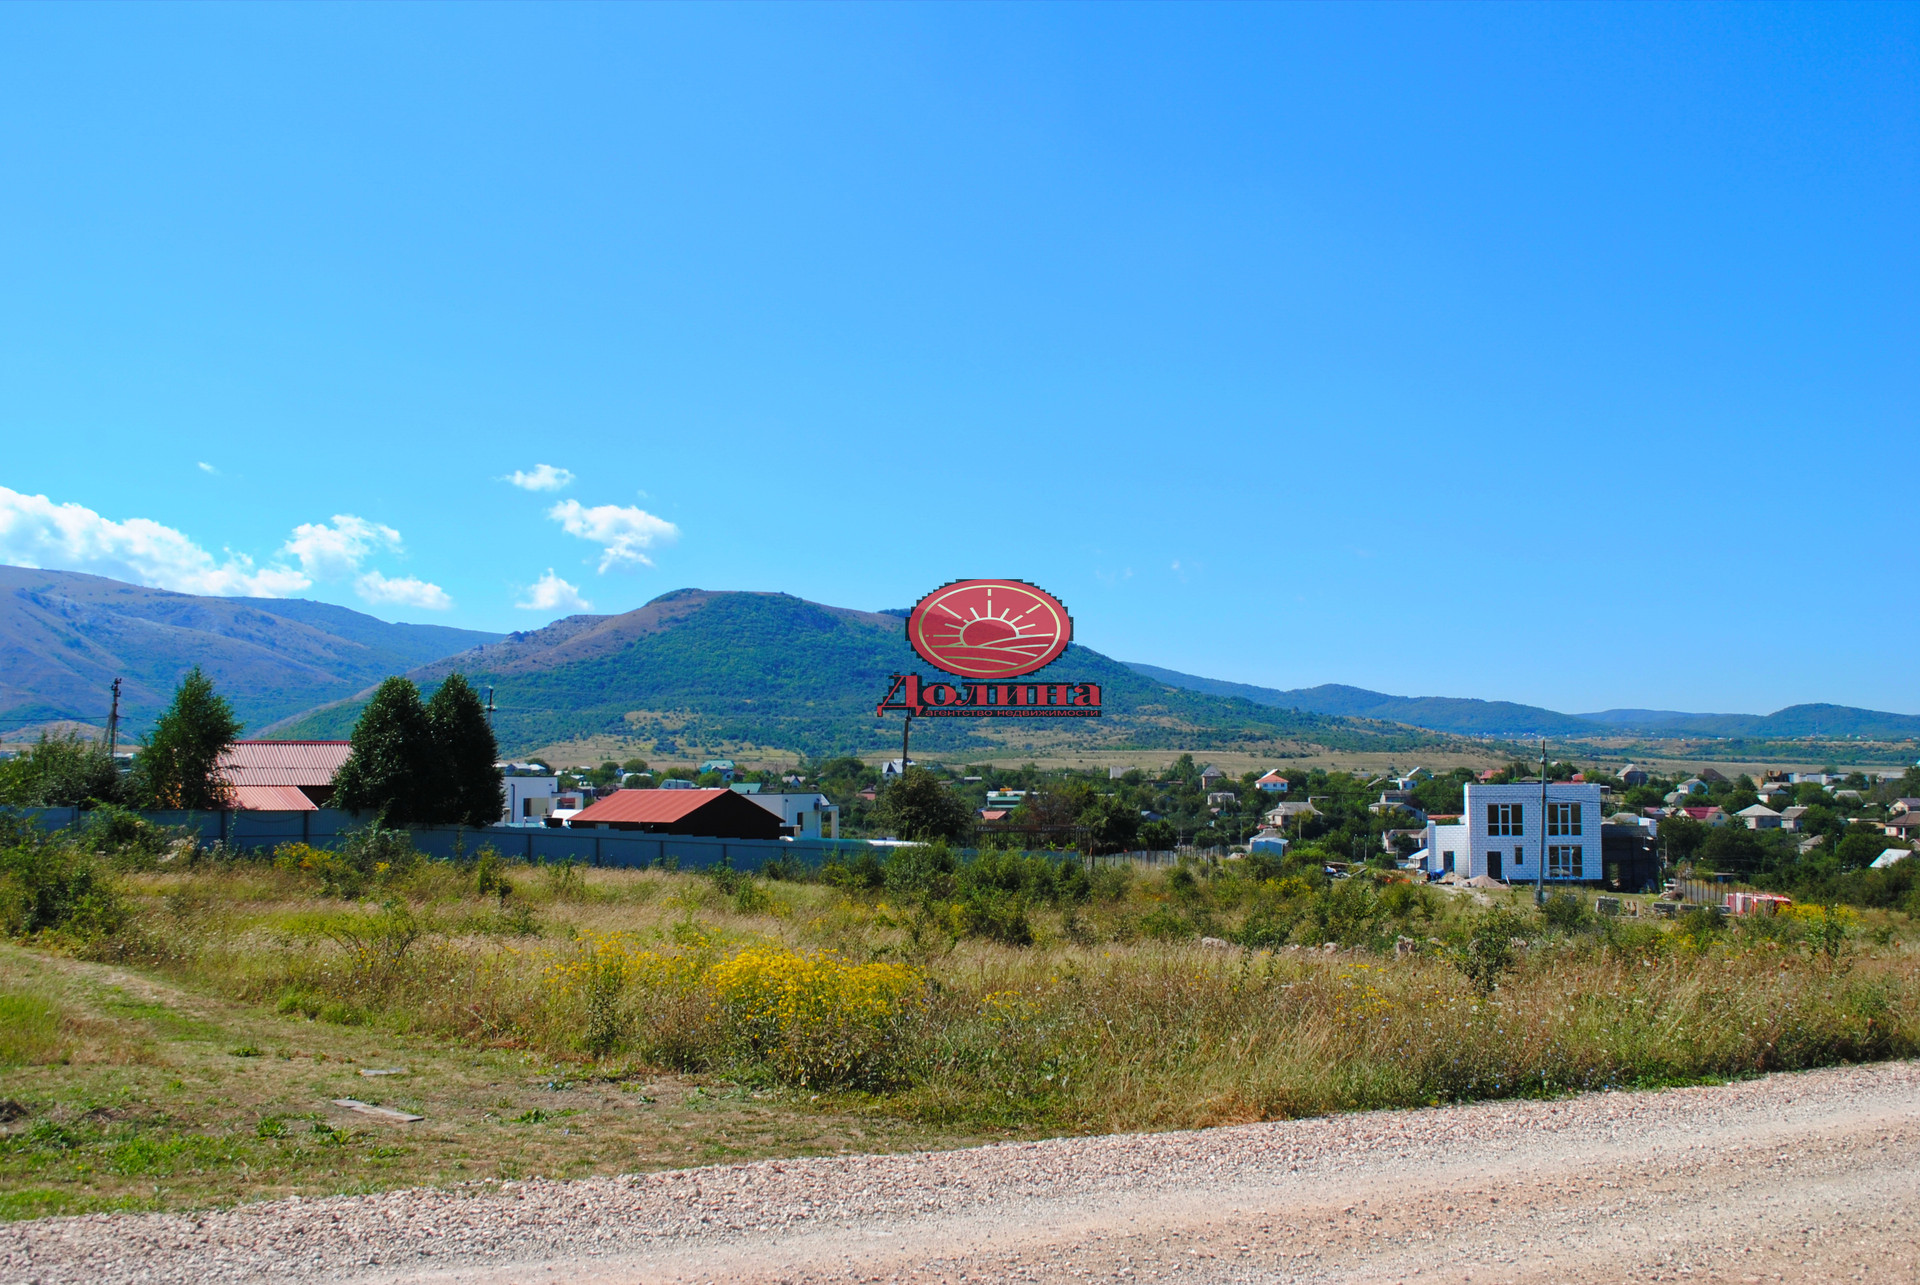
{"points": [[1793, 1177]]}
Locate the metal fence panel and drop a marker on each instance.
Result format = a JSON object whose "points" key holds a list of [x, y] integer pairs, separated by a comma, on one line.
{"points": [[622, 849]]}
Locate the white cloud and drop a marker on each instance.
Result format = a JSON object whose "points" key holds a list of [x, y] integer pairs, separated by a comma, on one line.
{"points": [[334, 552], [36, 532], [623, 534], [542, 477], [551, 593], [402, 591], [208, 468]]}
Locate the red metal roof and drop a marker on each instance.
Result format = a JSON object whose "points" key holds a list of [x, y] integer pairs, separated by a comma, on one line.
{"points": [[271, 798], [284, 762], [655, 806]]}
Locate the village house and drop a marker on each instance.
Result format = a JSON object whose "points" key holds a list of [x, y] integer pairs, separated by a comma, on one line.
{"points": [[1505, 836], [1904, 825], [802, 816], [718, 814]]}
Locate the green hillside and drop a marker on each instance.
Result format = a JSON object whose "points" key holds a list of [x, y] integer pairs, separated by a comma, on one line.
{"points": [[772, 670]]}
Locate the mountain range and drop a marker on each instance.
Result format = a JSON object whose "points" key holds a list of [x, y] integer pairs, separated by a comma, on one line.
{"points": [[713, 670], [738, 671], [1468, 717], [65, 636]]}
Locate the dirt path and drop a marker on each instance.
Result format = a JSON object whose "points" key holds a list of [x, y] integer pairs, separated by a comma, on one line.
{"points": [[1801, 1177]]}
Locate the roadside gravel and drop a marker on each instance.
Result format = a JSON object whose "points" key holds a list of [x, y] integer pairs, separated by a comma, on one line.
{"points": [[1789, 1177]]}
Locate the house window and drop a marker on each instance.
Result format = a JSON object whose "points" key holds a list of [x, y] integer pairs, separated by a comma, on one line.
{"points": [[1504, 818], [1446, 862], [1563, 862], [1563, 820]]}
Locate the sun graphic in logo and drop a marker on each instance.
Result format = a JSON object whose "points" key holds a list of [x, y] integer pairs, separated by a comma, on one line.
{"points": [[989, 628]]}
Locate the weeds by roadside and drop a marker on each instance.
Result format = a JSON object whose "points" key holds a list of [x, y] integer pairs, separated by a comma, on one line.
{"points": [[1004, 991]]}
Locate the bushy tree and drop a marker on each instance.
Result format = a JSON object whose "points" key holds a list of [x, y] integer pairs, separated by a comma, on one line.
{"points": [[178, 763], [463, 744], [918, 805], [60, 772], [1111, 825], [1157, 836], [393, 769]]}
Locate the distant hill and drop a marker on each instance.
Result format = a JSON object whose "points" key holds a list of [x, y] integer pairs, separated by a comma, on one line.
{"points": [[1466, 717], [1795, 722], [1459, 715], [712, 669], [65, 636]]}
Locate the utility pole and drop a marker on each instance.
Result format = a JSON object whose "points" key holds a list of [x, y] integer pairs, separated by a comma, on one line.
{"points": [[489, 709], [113, 721], [1540, 870], [906, 730]]}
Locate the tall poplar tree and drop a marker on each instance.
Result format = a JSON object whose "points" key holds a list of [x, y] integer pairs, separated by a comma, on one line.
{"points": [[178, 765], [465, 748], [393, 768]]}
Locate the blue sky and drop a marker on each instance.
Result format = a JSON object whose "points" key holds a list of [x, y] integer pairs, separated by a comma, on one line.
{"points": [[1556, 354]]}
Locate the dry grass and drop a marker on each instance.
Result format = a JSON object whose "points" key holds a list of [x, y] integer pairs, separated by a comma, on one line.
{"points": [[757, 1018], [1095, 1025]]}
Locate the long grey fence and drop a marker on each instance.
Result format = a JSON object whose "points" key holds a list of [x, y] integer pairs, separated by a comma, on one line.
{"points": [[625, 849]]}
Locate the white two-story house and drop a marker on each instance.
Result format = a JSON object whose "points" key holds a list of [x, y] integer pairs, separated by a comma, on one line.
{"points": [[1503, 834]]}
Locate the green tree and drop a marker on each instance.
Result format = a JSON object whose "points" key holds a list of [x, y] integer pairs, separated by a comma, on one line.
{"points": [[920, 806], [60, 772], [1157, 836], [1860, 846], [393, 768], [463, 744], [178, 765], [1111, 825]]}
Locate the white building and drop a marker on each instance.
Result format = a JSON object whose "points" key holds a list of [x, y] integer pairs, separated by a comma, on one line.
{"points": [[804, 816], [527, 800], [1503, 834]]}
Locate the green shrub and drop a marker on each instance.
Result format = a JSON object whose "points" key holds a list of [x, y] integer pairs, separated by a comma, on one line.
{"points": [[1489, 953], [1566, 912], [489, 876], [48, 887], [997, 916]]}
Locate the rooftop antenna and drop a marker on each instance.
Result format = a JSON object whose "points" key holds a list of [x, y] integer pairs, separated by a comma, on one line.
{"points": [[113, 721]]}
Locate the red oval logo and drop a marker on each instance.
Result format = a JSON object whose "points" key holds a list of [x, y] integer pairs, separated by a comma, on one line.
{"points": [[989, 628]]}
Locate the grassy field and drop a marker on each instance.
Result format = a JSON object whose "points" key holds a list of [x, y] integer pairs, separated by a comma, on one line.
{"points": [[176, 1027]]}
